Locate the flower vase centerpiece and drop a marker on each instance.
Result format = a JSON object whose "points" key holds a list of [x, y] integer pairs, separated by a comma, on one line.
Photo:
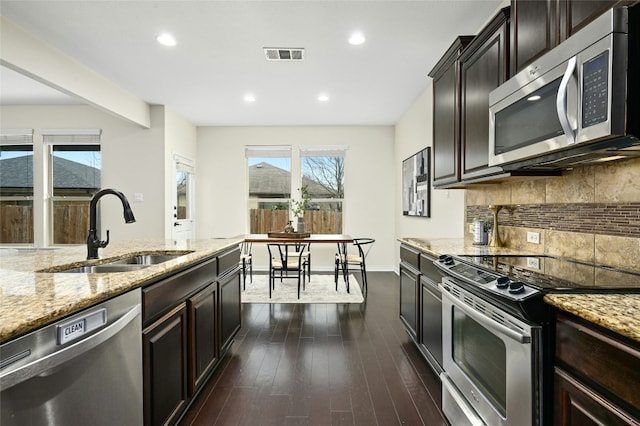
{"points": [[298, 207]]}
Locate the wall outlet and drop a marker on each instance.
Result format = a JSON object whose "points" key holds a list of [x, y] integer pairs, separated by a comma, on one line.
{"points": [[533, 237], [533, 262]]}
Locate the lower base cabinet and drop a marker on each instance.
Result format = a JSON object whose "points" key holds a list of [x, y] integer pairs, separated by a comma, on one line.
{"points": [[230, 308], [578, 405], [203, 350], [596, 376], [165, 367], [190, 320]]}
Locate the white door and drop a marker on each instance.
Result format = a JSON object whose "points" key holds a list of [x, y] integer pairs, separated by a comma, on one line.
{"points": [[183, 224]]}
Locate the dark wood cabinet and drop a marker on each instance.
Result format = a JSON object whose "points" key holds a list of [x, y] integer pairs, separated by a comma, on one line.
{"points": [[596, 375], [189, 321], [484, 65], [230, 307], [446, 114], [409, 275], [430, 311], [164, 349], [203, 348], [537, 26]]}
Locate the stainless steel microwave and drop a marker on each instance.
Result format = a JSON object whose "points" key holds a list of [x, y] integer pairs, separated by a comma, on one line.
{"points": [[576, 104]]}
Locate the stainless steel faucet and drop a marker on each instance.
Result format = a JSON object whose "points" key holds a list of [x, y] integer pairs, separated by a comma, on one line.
{"points": [[93, 240]]}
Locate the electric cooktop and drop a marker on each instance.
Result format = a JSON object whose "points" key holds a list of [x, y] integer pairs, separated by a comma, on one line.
{"points": [[552, 274]]}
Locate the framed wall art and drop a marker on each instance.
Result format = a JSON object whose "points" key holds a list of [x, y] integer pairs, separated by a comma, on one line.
{"points": [[416, 187]]}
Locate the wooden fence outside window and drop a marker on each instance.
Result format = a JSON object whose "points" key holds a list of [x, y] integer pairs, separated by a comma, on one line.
{"points": [[263, 221]]}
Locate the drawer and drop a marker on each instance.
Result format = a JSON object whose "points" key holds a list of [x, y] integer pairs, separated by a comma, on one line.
{"points": [[227, 261], [427, 268], [410, 255], [160, 297], [598, 358]]}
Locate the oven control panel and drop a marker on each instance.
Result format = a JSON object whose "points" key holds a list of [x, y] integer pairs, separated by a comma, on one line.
{"points": [[502, 285]]}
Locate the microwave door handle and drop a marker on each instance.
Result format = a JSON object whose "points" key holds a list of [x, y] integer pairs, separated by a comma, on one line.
{"points": [[561, 102]]}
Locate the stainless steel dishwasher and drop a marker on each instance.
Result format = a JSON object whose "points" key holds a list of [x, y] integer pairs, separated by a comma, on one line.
{"points": [[84, 369]]}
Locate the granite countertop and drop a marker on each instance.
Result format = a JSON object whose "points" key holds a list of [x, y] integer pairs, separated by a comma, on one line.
{"points": [[619, 313], [31, 299], [616, 312]]}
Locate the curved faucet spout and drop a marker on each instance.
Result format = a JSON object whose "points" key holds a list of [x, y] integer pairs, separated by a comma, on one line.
{"points": [[93, 240]]}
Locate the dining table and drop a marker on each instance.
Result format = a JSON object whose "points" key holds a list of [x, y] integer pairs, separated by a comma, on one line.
{"points": [[342, 240]]}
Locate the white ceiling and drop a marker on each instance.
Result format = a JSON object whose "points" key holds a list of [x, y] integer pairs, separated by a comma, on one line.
{"points": [[219, 56]]}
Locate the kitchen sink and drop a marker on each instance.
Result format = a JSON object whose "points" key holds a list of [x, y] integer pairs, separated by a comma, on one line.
{"points": [[147, 259], [123, 264], [104, 269]]}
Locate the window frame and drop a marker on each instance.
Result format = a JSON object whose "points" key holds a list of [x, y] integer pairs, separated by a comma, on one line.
{"points": [[67, 138], [326, 151], [21, 138]]}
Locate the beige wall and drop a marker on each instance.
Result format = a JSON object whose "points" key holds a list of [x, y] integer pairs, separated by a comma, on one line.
{"points": [[370, 183], [134, 160]]}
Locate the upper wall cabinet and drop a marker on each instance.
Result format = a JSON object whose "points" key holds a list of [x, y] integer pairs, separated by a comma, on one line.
{"points": [[446, 114], [484, 65], [537, 26], [462, 81]]}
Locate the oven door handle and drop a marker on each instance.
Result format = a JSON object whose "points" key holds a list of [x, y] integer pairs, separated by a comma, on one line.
{"points": [[561, 102], [486, 321]]}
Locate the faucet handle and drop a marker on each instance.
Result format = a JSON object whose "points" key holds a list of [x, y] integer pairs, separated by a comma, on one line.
{"points": [[103, 244]]}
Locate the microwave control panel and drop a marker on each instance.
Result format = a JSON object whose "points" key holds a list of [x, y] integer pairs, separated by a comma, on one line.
{"points": [[595, 90]]}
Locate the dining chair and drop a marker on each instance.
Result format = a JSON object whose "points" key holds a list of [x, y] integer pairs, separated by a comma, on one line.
{"points": [[246, 261], [306, 256], [343, 260], [285, 258]]}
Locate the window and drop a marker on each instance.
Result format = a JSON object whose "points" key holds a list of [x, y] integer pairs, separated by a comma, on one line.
{"points": [[323, 176], [269, 191], [75, 168], [16, 187]]}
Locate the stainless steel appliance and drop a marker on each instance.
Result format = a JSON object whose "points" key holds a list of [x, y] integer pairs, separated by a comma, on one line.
{"points": [[497, 344], [84, 369], [576, 104]]}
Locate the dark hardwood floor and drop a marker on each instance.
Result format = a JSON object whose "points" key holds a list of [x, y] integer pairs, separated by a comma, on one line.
{"points": [[322, 364]]}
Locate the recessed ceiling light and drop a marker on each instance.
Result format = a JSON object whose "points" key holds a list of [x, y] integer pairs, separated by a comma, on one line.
{"points": [[166, 39], [357, 39], [534, 98], [323, 98], [249, 98]]}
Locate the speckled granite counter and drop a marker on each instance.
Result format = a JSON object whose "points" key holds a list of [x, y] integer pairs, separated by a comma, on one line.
{"points": [[438, 246], [617, 312], [30, 299]]}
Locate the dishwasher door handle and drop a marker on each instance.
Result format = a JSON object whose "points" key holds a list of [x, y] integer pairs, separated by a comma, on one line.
{"points": [[41, 365]]}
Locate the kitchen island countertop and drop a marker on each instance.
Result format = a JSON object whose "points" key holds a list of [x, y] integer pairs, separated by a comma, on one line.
{"points": [[619, 313], [31, 299]]}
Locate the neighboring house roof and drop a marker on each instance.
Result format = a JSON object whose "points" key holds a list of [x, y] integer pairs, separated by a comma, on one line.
{"points": [[267, 180], [18, 173]]}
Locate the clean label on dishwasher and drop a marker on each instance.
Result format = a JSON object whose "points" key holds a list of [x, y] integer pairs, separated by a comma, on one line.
{"points": [[80, 326]]}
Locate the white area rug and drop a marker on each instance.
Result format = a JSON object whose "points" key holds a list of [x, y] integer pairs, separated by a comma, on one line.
{"points": [[321, 289]]}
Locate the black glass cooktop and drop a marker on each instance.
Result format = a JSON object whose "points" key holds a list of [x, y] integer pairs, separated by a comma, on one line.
{"points": [[557, 274]]}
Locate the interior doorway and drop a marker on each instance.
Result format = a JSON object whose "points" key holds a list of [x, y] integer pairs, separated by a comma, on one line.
{"points": [[183, 220]]}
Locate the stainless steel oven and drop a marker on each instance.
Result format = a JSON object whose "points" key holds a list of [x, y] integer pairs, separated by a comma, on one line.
{"points": [[497, 333], [491, 362]]}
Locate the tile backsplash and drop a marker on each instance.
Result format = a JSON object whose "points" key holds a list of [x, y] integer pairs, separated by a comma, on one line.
{"points": [[590, 213]]}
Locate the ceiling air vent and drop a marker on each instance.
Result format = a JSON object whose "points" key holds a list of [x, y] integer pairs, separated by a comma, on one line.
{"points": [[283, 54]]}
